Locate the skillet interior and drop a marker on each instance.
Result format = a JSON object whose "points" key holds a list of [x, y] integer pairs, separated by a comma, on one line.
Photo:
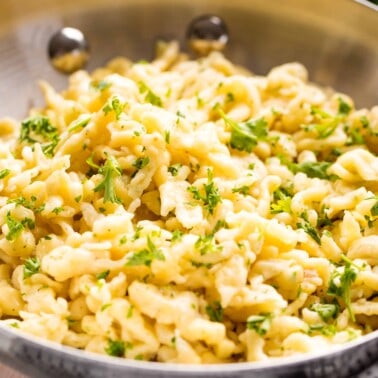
{"points": [[336, 41]]}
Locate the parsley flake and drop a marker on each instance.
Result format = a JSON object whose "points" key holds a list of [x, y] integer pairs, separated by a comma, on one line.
{"points": [[344, 107], [139, 164], [174, 169], [211, 197], [215, 311], [115, 348], [16, 227], [260, 323], [176, 236], [146, 256], [308, 228], [31, 266], [281, 201], [246, 135], [150, 96], [39, 129], [4, 173], [206, 244], [326, 311], [244, 190], [115, 105], [110, 171], [341, 281], [313, 169], [102, 275]]}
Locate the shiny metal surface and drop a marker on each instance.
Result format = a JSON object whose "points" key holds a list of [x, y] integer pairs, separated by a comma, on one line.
{"points": [[337, 40], [68, 50], [207, 33]]}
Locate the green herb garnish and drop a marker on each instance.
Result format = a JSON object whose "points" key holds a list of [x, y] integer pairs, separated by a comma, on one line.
{"points": [[246, 135], [110, 170], [260, 323], [146, 255], [206, 244], [103, 275], [211, 197], [313, 169], [326, 311], [4, 173], [114, 104], [39, 129], [139, 164], [341, 281], [31, 266], [115, 348], [215, 311], [281, 201], [174, 169], [150, 96], [308, 228]]}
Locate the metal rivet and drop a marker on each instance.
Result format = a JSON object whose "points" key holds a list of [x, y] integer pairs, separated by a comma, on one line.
{"points": [[207, 33], [68, 50]]}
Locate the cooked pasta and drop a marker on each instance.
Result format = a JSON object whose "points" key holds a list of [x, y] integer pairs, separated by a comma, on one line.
{"points": [[189, 211]]}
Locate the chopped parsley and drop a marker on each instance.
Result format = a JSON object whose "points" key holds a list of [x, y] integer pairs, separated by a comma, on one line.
{"points": [[150, 96], [344, 107], [198, 264], [123, 240], [260, 323], [244, 190], [4, 173], [167, 136], [39, 129], [308, 228], [215, 311], [211, 197], [105, 306], [326, 123], [323, 219], [230, 97], [176, 236], [146, 255], [16, 227], [57, 210], [374, 210], [31, 266], [281, 201], [341, 281], [130, 312], [29, 204], [115, 348], [80, 122], [139, 164], [246, 135], [354, 136], [114, 104], [206, 244], [103, 275], [174, 169], [110, 170], [313, 169], [325, 329], [326, 311]]}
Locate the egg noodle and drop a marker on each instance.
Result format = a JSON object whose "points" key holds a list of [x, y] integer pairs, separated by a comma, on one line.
{"points": [[189, 211]]}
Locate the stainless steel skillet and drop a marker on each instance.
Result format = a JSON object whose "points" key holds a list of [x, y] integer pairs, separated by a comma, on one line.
{"points": [[337, 40]]}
